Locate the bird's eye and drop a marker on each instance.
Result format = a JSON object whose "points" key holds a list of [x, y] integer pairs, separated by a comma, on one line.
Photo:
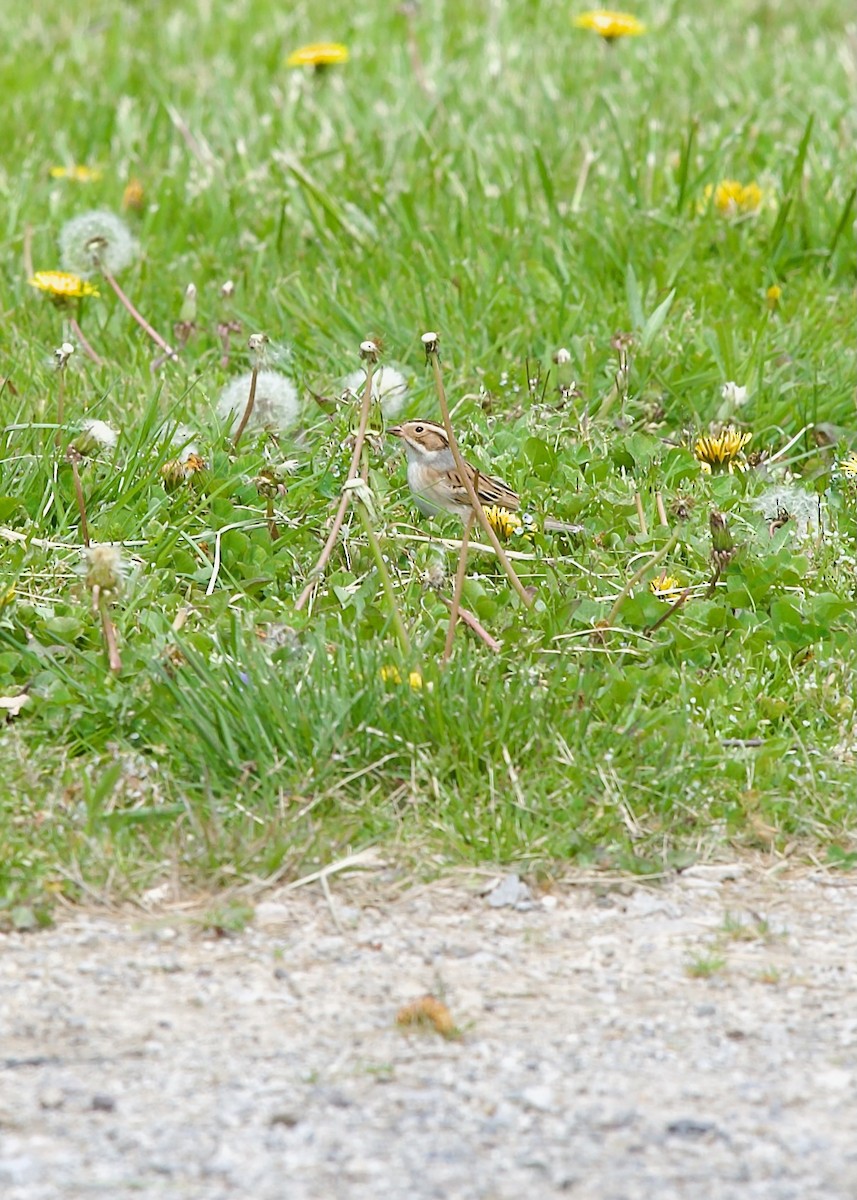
{"points": [[419, 429]]}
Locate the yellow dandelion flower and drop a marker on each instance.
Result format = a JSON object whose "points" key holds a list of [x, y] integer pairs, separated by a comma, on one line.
{"points": [[610, 25], [848, 465], [665, 586], [318, 54], [719, 453], [63, 285], [391, 674], [78, 174], [734, 199], [772, 296], [503, 522]]}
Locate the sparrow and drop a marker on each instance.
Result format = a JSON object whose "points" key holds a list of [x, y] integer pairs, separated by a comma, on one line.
{"points": [[436, 484]]}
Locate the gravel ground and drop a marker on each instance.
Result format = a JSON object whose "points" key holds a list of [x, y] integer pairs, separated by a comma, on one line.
{"points": [[696, 1039]]}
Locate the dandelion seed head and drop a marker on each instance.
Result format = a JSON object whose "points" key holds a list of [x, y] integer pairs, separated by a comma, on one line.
{"points": [[389, 388], [276, 409], [94, 240], [94, 436], [562, 356], [104, 566]]}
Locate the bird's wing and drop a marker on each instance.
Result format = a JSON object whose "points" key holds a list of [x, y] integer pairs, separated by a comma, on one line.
{"points": [[489, 490]]}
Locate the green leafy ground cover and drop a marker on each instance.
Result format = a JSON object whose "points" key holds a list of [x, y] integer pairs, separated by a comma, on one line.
{"points": [[524, 186]]}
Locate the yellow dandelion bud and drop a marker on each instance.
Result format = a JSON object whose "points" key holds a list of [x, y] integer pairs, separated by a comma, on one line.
{"points": [[610, 25], [415, 679], [390, 674], [772, 296], [318, 54]]}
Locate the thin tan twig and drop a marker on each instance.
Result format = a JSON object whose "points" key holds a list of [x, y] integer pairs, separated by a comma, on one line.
{"points": [[338, 520], [459, 587]]}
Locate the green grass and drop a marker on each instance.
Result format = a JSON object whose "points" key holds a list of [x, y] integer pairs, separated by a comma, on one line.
{"points": [[244, 738]]}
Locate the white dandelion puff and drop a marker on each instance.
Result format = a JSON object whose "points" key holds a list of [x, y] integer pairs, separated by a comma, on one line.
{"points": [[276, 409], [95, 435], [94, 240], [389, 386]]}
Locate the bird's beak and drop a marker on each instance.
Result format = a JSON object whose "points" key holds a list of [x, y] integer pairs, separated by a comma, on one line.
{"points": [[396, 431]]}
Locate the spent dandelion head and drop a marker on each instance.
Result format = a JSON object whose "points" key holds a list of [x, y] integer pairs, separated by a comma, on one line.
{"points": [[94, 241], [62, 285], [318, 55], [721, 452], [62, 354], [276, 407], [389, 388], [104, 567], [134, 196], [609, 24], [77, 173]]}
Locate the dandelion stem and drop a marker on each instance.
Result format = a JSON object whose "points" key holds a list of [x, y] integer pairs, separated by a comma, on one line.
{"points": [[464, 475], [248, 407], [84, 344], [60, 407], [386, 581], [473, 623], [641, 516], [662, 512], [273, 528], [635, 579], [74, 458], [589, 157], [28, 251], [650, 629], [338, 520], [136, 314], [458, 589], [114, 661]]}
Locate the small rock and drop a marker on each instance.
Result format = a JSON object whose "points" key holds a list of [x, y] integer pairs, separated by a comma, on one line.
{"points": [[289, 1119], [509, 892], [51, 1099], [539, 1097], [688, 1127], [102, 1102]]}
